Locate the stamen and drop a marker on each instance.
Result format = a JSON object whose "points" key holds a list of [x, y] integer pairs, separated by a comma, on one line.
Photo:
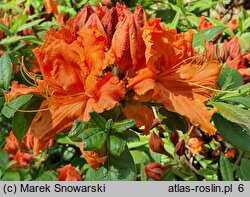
{"points": [[212, 89]]}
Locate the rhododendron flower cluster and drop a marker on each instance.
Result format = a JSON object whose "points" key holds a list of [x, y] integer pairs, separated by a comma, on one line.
{"points": [[105, 58], [19, 152]]}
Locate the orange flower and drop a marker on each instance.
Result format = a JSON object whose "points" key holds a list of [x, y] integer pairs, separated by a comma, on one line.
{"points": [[60, 20], [204, 24], [22, 159], [50, 6], [182, 85], [229, 153], [92, 157], [11, 144], [71, 61], [17, 90], [232, 24], [195, 145], [68, 173], [6, 23]]}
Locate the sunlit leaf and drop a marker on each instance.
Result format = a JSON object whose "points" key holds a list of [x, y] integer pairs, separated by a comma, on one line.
{"points": [[5, 71], [234, 114], [10, 109], [206, 35]]}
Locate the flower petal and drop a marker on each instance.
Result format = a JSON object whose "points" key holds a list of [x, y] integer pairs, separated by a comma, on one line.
{"points": [[142, 115], [68, 173], [92, 157]]}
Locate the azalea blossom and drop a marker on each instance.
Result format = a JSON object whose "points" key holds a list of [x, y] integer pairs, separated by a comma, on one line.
{"points": [[50, 6], [101, 54], [195, 145], [19, 152], [73, 82], [173, 77]]}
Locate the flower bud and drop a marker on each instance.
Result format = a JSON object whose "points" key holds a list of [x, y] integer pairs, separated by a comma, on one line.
{"points": [[155, 170], [156, 144], [174, 137], [180, 148]]}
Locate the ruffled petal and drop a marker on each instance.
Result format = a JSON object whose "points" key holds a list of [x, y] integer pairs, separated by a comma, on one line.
{"points": [[105, 95]]}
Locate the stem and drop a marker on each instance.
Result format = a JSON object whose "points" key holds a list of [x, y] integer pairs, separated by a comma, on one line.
{"points": [[239, 158], [190, 165]]}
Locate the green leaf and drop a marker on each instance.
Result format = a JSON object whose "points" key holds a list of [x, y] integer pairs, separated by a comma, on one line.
{"points": [[16, 103], [168, 175], [116, 145], [28, 25], [3, 159], [98, 119], [246, 24], [129, 136], [77, 128], [172, 120], [31, 39], [109, 124], [206, 35], [11, 175], [9, 164], [66, 140], [226, 168], [13, 39], [220, 23], [241, 91], [5, 29], [240, 100], [93, 138], [47, 176], [5, 70], [209, 174], [244, 168], [244, 41], [2, 101], [123, 126], [140, 157], [114, 169], [229, 78], [142, 172], [185, 173], [175, 20], [232, 133], [22, 120], [234, 114]]}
